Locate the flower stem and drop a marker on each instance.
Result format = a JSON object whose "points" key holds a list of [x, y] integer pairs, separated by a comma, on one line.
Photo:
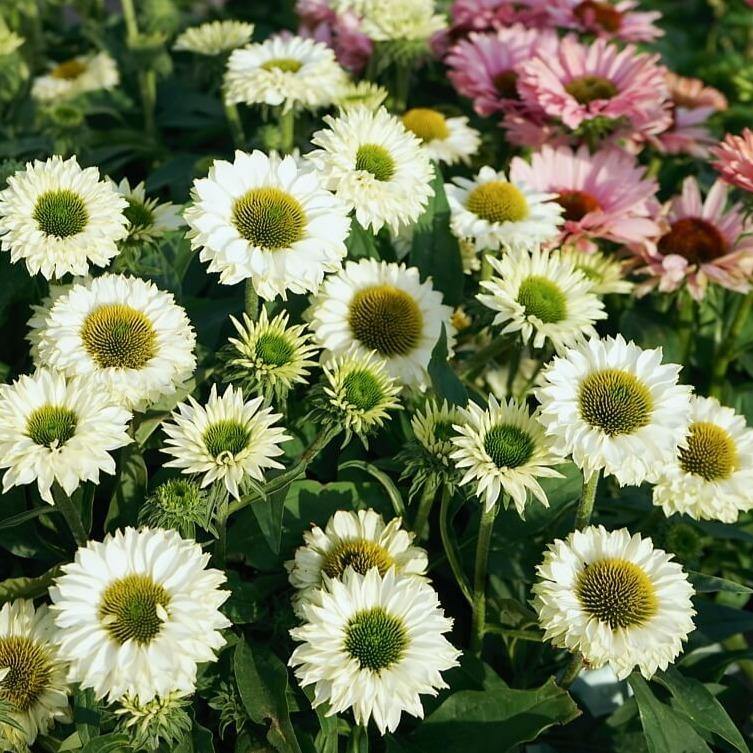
{"points": [[587, 499], [424, 507], [726, 350], [286, 124], [479, 577], [449, 548], [147, 77], [71, 514], [571, 671], [236, 126], [251, 301]]}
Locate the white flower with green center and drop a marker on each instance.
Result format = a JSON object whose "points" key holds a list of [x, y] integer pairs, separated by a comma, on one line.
{"points": [[59, 218], [396, 20], [503, 450], [359, 540], [359, 392], [373, 644], [288, 71], [711, 476], [269, 356], [614, 407], [444, 139], [605, 273], [542, 296], [360, 94], [382, 307], [615, 600], [147, 218], [229, 440], [79, 75], [32, 675], [58, 430], [214, 37], [495, 213], [137, 612], [267, 219], [129, 336], [433, 428], [375, 165]]}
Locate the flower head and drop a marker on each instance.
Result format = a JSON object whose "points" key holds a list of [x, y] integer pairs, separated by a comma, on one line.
{"points": [[147, 218], [605, 273], [618, 19], [448, 140], [214, 38], [734, 159], [79, 75]]}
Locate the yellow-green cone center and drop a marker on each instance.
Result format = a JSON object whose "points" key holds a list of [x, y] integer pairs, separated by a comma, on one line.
{"points": [[28, 666], [508, 446], [428, 125], [363, 391], [498, 201], [376, 160], [376, 639], [60, 213], [288, 65], [226, 437], [542, 298], [118, 336], [615, 401], [138, 214], [711, 452], [616, 592], [360, 554], [274, 350], [269, 218], [130, 608], [69, 70], [386, 319], [587, 89], [51, 425]]}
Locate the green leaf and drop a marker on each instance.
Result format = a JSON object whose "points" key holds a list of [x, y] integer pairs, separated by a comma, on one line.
{"points": [[107, 744], [715, 622], [666, 731], [708, 584], [130, 489], [269, 513], [435, 250], [262, 681], [22, 517], [445, 381], [360, 242], [27, 588], [469, 720], [86, 715], [695, 700], [389, 485]]}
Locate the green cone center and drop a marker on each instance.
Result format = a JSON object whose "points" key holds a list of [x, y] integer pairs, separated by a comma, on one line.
{"points": [[376, 639], [51, 425], [118, 336], [615, 401], [269, 218], [129, 608], [60, 213], [542, 298]]}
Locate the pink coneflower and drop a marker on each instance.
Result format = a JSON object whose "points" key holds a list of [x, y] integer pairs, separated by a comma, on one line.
{"points": [[605, 195], [605, 19], [340, 31], [485, 67], [487, 15], [582, 82], [734, 159], [692, 104], [701, 241]]}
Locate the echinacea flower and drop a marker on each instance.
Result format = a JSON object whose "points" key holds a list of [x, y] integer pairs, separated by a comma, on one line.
{"points": [[605, 195], [448, 140], [703, 241], [734, 159], [483, 15], [79, 75], [214, 38]]}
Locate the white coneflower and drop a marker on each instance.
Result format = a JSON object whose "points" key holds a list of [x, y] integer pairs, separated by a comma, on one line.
{"points": [[503, 450], [59, 218], [268, 219], [33, 683], [383, 307], [79, 75], [711, 477], [229, 439], [542, 296], [58, 430], [358, 540], [433, 428], [269, 356], [127, 334], [614, 407], [161, 720], [360, 94], [374, 644], [358, 392], [606, 274], [396, 20], [214, 37], [444, 139], [495, 213], [614, 599], [287, 71], [147, 218], [137, 612], [375, 165]]}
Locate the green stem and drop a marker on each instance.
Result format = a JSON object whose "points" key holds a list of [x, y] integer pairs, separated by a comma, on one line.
{"points": [[148, 87], [571, 671], [358, 742], [71, 514], [129, 17], [424, 507], [587, 500], [726, 351], [401, 88], [220, 547], [286, 124], [479, 577], [480, 360], [519, 635], [686, 310], [487, 270], [251, 301], [449, 548], [235, 123]]}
